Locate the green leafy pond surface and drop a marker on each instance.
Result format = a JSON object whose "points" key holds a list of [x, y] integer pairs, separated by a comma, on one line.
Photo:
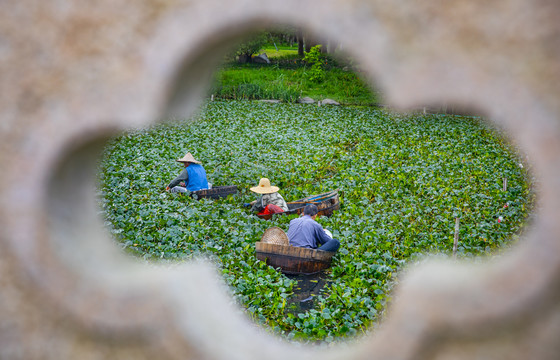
{"points": [[403, 179]]}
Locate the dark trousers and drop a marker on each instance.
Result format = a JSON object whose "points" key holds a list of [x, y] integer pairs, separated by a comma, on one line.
{"points": [[331, 245]]}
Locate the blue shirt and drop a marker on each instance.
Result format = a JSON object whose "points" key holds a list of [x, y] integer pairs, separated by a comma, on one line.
{"points": [[197, 178], [306, 232]]}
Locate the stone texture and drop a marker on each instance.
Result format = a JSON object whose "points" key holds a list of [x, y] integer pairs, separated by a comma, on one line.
{"points": [[328, 102], [306, 100], [261, 59], [73, 74]]}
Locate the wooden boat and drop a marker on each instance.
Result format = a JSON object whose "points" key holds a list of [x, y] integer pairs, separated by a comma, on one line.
{"points": [[215, 193], [292, 259], [326, 203]]}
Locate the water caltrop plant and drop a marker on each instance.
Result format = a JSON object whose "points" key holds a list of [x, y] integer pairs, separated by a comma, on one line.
{"points": [[404, 178]]}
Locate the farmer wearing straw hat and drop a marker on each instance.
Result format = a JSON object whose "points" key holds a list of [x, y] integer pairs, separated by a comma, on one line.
{"points": [[193, 175], [270, 201]]}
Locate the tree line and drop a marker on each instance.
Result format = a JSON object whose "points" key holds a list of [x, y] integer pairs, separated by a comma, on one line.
{"points": [[284, 36]]}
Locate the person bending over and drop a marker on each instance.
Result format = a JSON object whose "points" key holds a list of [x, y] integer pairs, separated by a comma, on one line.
{"points": [[193, 175], [308, 233], [269, 201]]}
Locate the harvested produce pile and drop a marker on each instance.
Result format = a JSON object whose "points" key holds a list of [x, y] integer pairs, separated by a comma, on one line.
{"points": [[404, 180]]}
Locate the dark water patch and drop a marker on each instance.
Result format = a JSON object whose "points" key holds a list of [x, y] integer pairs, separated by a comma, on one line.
{"points": [[307, 288]]}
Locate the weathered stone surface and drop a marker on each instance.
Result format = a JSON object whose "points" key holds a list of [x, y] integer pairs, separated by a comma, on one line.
{"points": [[75, 73], [306, 100], [261, 59], [328, 102]]}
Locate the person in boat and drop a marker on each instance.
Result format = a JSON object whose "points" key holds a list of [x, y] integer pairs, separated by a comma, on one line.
{"points": [[269, 201], [192, 178], [308, 233]]}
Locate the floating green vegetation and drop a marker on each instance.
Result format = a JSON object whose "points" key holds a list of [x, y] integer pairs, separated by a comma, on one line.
{"points": [[404, 179]]}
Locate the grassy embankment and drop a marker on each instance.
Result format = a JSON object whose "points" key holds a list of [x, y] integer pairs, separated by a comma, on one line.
{"points": [[286, 78]]}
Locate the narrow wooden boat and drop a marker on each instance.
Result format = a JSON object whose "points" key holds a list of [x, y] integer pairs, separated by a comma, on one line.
{"points": [[292, 259], [326, 203], [215, 193]]}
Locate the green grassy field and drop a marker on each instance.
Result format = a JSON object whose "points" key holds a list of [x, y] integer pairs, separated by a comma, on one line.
{"points": [[280, 51], [287, 79]]}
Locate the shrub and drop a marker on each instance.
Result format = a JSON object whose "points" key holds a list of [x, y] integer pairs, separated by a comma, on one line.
{"points": [[252, 46], [316, 59]]}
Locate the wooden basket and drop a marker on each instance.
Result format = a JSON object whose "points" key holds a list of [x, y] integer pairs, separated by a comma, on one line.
{"points": [[215, 192], [292, 259], [275, 235]]}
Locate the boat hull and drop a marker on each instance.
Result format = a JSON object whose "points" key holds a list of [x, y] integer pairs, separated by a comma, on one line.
{"points": [[292, 259], [326, 203], [215, 192]]}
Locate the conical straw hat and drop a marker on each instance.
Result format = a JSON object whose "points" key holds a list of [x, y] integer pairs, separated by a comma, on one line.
{"points": [[264, 187], [275, 235], [188, 158]]}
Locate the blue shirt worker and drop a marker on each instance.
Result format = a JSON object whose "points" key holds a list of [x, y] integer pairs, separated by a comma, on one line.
{"points": [[308, 233], [193, 176]]}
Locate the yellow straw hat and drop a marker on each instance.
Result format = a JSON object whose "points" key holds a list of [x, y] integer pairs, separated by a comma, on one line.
{"points": [[264, 187], [275, 235], [188, 158]]}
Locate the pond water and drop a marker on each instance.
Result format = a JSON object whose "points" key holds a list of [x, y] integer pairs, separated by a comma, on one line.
{"points": [[307, 288]]}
